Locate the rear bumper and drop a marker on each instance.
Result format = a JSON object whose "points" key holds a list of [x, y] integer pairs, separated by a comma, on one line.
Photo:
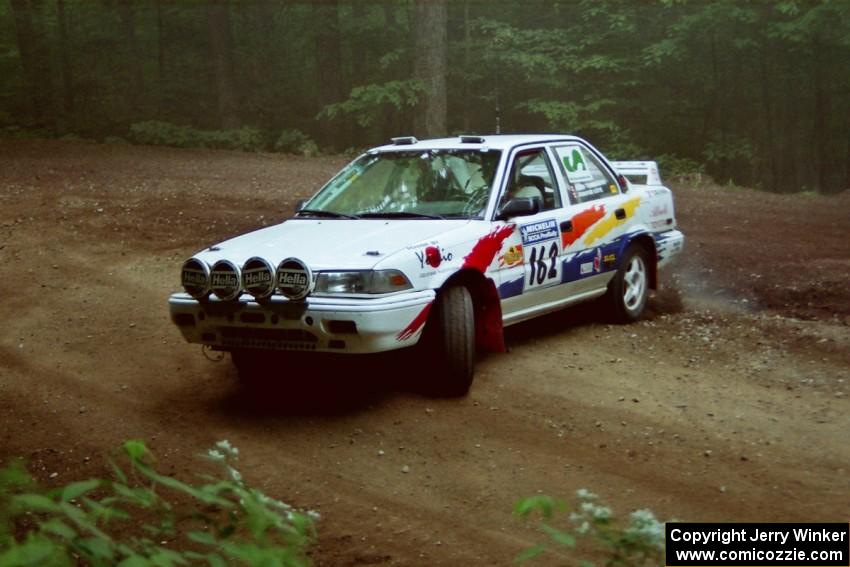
{"points": [[321, 324], [668, 245]]}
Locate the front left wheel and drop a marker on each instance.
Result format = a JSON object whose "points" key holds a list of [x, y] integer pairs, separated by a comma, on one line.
{"points": [[450, 340]]}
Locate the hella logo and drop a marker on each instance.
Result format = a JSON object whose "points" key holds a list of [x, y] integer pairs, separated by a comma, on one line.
{"points": [[292, 278], [257, 277], [224, 280], [192, 277]]}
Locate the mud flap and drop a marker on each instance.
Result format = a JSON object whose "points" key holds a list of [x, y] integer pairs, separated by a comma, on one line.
{"points": [[489, 334]]}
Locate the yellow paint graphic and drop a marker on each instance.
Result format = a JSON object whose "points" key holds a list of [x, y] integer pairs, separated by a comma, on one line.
{"points": [[611, 222]]}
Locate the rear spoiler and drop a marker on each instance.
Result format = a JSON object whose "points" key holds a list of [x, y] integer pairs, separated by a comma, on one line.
{"points": [[639, 172]]}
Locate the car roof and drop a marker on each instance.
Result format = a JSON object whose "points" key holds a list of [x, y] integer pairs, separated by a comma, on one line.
{"points": [[493, 141]]}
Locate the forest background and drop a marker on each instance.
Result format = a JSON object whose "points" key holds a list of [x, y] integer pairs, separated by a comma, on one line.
{"points": [[755, 93]]}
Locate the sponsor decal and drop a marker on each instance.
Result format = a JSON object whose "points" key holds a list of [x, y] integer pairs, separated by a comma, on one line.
{"points": [[222, 280], [581, 222], [611, 221], [258, 277], [482, 254], [659, 211], [573, 159], [194, 277], [415, 325], [591, 261], [433, 256], [512, 257], [539, 231], [591, 190], [294, 278]]}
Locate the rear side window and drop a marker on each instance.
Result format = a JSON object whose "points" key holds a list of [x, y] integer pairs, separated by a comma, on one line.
{"points": [[587, 179]]}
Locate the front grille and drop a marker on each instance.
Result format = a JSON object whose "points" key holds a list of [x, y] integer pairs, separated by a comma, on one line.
{"points": [[279, 339]]}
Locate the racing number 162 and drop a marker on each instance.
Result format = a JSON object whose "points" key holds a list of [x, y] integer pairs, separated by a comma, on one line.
{"points": [[540, 272]]}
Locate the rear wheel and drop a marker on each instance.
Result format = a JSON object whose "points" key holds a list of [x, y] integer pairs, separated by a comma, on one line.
{"points": [[629, 289], [450, 339]]}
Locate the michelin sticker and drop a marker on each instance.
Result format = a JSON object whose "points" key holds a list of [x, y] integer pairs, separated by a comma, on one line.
{"points": [[539, 232]]}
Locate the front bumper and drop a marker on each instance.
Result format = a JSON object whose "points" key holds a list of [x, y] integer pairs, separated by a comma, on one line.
{"points": [[325, 324]]}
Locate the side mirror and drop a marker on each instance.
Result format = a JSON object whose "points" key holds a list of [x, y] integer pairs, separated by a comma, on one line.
{"points": [[624, 183], [299, 204], [519, 207]]}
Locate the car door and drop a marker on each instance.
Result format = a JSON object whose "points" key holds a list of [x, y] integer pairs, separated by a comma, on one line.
{"points": [[530, 268], [599, 215]]}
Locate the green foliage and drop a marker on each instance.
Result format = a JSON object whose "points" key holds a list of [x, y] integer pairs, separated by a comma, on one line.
{"points": [[129, 520], [639, 542], [157, 133], [673, 166], [654, 76], [296, 142], [367, 103]]}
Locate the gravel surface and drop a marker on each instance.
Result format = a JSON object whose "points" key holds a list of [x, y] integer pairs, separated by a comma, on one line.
{"points": [[728, 402]]}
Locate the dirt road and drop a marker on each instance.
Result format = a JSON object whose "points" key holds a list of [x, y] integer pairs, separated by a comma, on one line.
{"points": [[729, 402]]}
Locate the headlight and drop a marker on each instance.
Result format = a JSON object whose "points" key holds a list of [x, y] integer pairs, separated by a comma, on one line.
{"points": [[195, 277], [370, 281], [258, 277], [225, 281]]}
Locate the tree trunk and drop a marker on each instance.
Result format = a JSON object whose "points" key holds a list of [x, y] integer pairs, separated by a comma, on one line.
{"points": [[136, 83], [328, 65], [430, 21], [67, 74], [466, 94], [221, 53], [160, 60], [35, 60]]}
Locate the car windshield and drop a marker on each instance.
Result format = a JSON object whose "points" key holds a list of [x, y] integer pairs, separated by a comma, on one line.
{"points": [[410, 184]]}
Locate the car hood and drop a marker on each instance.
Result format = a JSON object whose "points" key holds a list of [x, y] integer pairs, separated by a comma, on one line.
{"points": [[330, 244]]}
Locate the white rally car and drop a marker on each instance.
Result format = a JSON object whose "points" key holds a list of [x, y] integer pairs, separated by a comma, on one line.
{"points": [[439, 243]]}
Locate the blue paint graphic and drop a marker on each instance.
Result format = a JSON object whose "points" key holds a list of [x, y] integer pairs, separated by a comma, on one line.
{"points": [[511, 288]]}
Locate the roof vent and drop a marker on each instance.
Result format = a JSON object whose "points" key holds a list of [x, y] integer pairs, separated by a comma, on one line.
{"points": [[472, 139], [404, 141]]}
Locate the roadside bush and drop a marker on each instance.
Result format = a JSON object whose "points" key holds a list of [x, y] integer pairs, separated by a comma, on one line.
{"points": [[674, 166], [128, 521], [296, 142], [158, 133], [639, 542]]}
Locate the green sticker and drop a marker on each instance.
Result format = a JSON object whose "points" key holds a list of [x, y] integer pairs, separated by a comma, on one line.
{"points": [[573, 160]]}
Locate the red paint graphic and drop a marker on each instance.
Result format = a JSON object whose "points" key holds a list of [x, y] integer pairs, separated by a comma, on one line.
{"points": [[433, 257], [581, 222], [415, 325], [482, 254]]}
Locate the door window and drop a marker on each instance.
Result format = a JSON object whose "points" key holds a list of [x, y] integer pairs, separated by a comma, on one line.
{"points": [[531, 177], [587, 179]]}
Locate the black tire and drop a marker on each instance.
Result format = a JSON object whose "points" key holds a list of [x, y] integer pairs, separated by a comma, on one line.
{"points": [[450, 339], [629, 289], [252, 365]]}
